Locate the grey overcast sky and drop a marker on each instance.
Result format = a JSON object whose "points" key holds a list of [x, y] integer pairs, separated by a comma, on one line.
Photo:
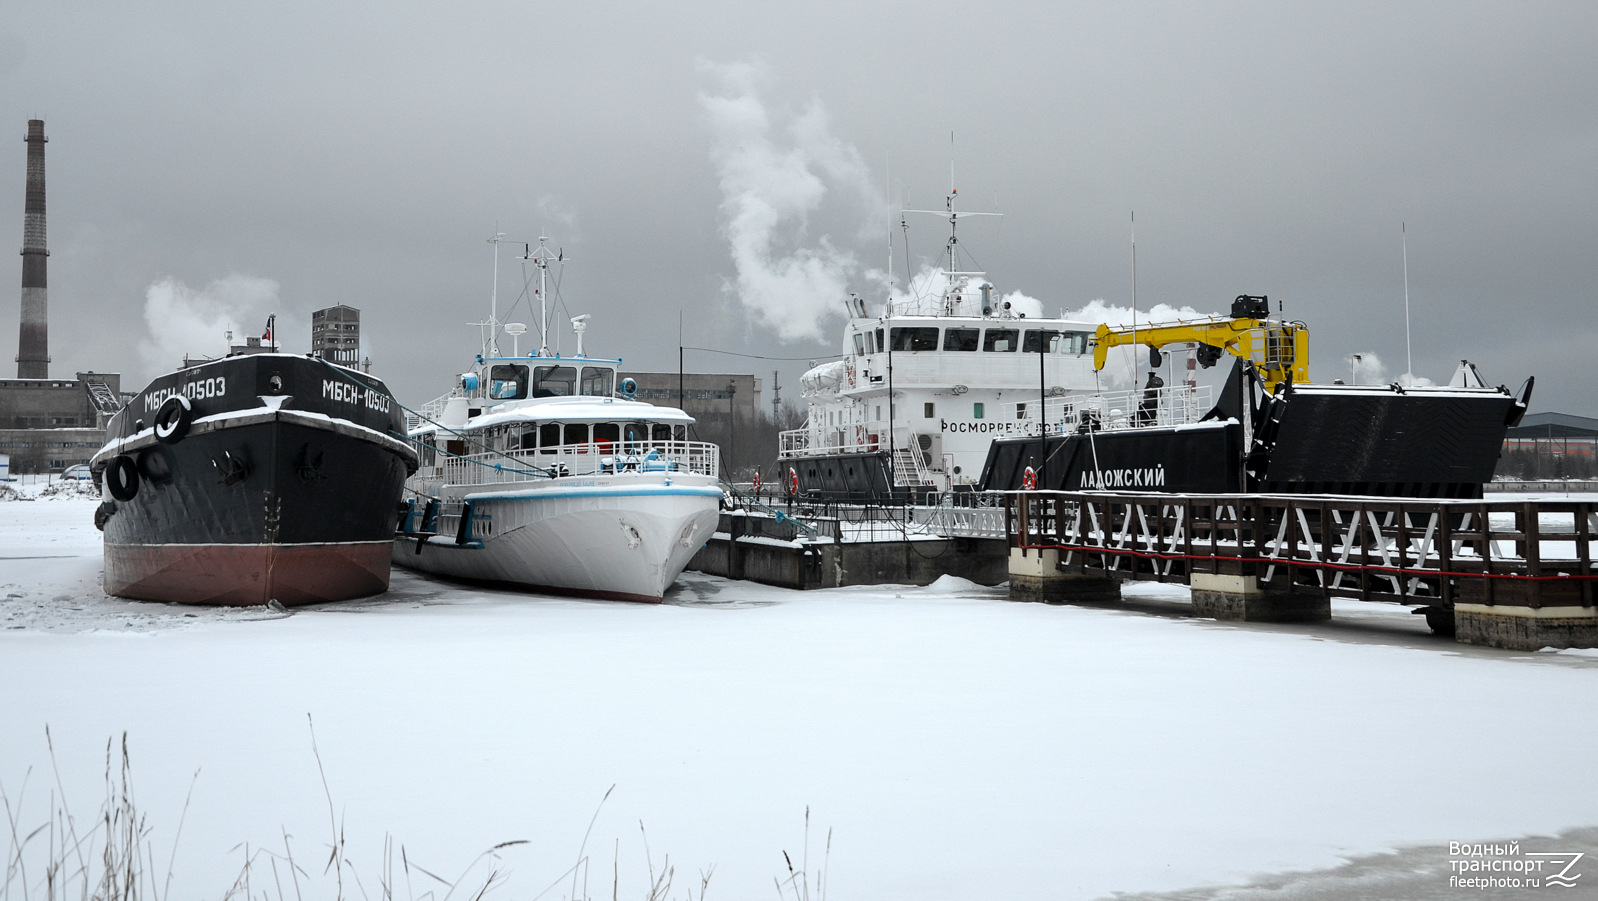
{"points": [[737, 162]]}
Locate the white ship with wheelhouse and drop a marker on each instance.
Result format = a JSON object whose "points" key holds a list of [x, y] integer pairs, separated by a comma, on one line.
{"points": [[924, 388], [541, 472]]}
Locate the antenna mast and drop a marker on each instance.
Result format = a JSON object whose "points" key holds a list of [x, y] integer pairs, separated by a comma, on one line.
{"points": [[1409, 360], [493, 300], [1134, 298], [540, 258]]}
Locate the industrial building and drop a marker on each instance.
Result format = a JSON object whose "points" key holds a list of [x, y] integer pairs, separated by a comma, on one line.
{"points": [[1551, 446], [708, 397], [727, 408], [336, 335]]}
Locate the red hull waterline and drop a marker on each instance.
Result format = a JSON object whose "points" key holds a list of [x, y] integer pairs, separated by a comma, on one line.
{"points": [[247, 575]]}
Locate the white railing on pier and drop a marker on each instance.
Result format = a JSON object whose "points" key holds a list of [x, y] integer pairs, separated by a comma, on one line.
{"points": [[492, 468]]}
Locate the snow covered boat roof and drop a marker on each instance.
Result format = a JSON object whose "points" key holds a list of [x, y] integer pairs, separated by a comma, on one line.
{"points": [[570, 409]]}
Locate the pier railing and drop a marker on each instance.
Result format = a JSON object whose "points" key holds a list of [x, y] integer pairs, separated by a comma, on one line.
{"points": [[1527, 553]]}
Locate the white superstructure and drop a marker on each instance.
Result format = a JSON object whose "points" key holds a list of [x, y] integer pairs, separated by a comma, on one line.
{"points": [[962, 368]]}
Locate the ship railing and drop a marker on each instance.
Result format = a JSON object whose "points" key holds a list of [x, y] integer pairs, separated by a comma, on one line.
{"points": [[847, 439], [432, 411], [1137, 409], [588, 458], [793, 443]]}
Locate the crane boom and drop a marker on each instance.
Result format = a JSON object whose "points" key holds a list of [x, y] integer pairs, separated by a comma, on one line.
{"points": [[1278, 350]]}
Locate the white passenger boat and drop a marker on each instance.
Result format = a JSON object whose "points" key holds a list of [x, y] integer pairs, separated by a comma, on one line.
{"points": [[540, 472]]}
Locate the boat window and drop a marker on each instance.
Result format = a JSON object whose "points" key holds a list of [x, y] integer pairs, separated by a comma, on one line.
{"points": [[529, 439], [1000, 340], [859, 344], [549, 437], [507, 382], [1074, 343], [961, 338], [915, 339], [976, 411], [1020, 411], [554, 381], [576, 433], [606, 434], [599, 381], [1035, 339], [635, 431], [679, 432], [926, 411], [871, 343], [879, 345], [662, 432]]}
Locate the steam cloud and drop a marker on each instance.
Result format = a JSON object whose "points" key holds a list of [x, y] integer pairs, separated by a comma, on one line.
{"points": [[776, 172], [186, 322]]}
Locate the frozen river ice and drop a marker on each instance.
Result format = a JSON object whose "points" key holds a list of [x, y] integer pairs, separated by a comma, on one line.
{"points": [[956, 745]]}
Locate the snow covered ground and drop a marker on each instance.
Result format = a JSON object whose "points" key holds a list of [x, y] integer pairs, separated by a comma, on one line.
{"points": [[954, 744]]}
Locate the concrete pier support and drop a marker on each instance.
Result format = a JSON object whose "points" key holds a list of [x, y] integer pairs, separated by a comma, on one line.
{"points": [[1241, 598], [1526, 628], [1035, 575]]}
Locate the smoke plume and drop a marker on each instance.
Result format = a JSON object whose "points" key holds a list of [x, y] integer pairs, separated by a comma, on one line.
{"points": [[184, 322], [778, 172]]}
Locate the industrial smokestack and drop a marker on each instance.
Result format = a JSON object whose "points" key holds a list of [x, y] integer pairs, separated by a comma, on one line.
{"points": [[33, 346]]}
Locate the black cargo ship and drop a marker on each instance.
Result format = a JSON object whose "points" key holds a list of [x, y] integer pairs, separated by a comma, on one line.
{"points": [[1382, 440], [253, 478]]}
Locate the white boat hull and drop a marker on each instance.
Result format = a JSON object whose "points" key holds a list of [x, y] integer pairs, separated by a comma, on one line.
{"points": [[621, 536]]}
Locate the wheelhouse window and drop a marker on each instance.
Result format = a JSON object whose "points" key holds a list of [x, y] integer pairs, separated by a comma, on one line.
{"points": [[880, 345], [1074, 342], [607, 434], [635, 432], [914, 339], [661, 432], [507, 382], [599, 381], [962, 339], [1039, 341], [859, 344], [1000, 340], [575, 433], [554, 381]]}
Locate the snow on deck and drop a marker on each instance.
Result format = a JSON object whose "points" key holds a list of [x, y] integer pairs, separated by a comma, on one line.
{"points": [[956, 744]]}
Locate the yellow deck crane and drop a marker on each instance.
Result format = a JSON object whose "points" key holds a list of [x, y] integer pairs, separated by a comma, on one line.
{"points": [[1279, 350]]}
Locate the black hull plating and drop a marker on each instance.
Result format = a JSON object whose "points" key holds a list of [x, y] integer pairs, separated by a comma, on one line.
{"points": [[292, 484], [271, 494], [1315, 440]]}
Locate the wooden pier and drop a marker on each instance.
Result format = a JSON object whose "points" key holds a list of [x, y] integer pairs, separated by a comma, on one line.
{"points": [[1505, 573]]}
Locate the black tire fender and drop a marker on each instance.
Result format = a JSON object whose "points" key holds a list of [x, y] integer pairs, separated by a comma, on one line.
{"points": [[172, 419], [122, 477]]}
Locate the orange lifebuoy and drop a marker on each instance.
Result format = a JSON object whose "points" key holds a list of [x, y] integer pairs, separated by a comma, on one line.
{"points": [[793, 481], [757, 482], [1029, 479]]}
